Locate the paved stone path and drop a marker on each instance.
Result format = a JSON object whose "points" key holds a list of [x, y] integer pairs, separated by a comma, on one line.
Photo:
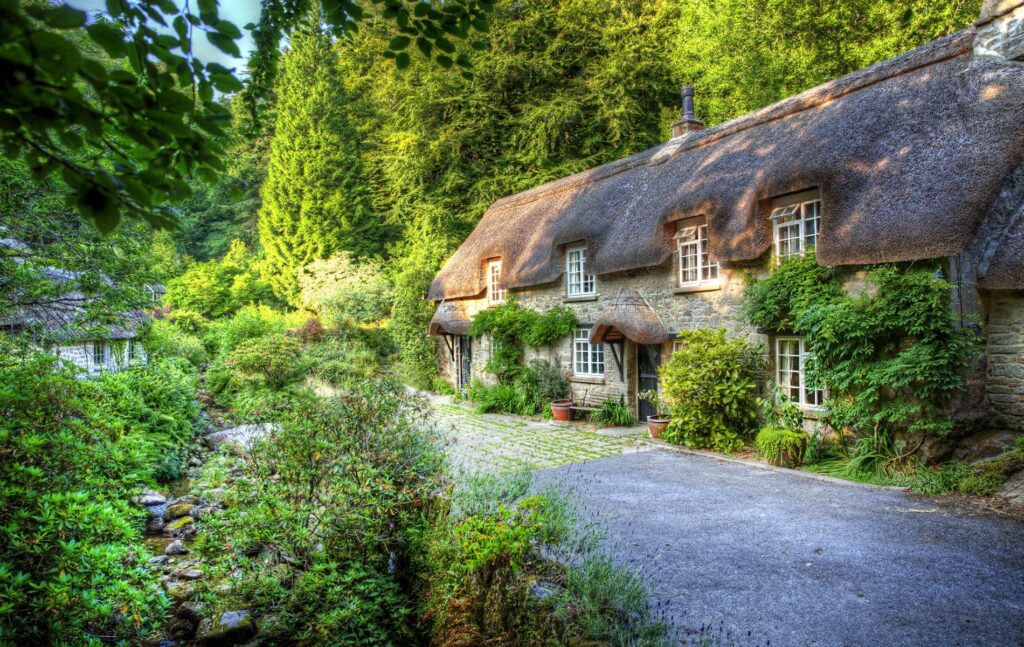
{"points": [[502, 444]]}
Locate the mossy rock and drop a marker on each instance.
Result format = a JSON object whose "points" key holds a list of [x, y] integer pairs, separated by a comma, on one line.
{"points": [[177, 510], [231, 628], [177, 524]]}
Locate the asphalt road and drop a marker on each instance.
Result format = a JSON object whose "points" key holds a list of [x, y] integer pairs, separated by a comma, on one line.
{"points": [[764, 557]]}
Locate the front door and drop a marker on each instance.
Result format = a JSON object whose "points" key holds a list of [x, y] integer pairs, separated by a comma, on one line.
{"points": [[465, 360], [647, 360]]}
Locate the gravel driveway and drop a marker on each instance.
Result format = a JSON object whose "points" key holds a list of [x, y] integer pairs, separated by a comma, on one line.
{"points": [[775, 558]]}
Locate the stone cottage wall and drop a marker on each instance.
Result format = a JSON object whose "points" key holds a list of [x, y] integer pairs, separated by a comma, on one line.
{"points": [[81, 355], [1004, 383]]}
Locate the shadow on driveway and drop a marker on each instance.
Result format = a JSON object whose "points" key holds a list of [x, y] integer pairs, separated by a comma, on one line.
{"points": [[799, 561]]}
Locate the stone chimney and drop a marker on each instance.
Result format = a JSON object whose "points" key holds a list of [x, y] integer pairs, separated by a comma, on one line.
{"points": [[1000, 30], [689, 123]]}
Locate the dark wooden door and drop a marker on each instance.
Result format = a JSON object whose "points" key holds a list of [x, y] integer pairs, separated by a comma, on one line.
{"points": [[647, 360], [465, 360]]}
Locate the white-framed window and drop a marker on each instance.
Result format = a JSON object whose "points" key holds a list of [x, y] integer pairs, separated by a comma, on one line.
{"points": [[577, 282], [99, 354], [677, 345], [494, 293], [695, 266], [790, 363], [132, 351], [795, 224], [587, 358]]}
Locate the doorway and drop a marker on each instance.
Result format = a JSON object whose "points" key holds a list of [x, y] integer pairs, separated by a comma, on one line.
{"points": [[465, 361], [648, 358]]}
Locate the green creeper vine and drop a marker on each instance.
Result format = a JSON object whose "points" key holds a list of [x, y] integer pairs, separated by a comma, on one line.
{"points": [[890, 357], [512, 328]]}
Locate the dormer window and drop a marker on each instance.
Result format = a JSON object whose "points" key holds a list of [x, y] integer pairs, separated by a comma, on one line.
{"points": [[577, 282], [795, 223], [695, 266], [495, 295]]}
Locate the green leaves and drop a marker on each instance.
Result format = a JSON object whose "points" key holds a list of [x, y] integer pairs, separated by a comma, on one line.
{"points": [[125, 138]]}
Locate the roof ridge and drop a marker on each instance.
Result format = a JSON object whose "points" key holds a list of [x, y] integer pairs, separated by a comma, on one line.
{"points": [[937, 51]]}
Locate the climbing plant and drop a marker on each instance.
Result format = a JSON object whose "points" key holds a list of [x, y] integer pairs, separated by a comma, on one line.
{"points": [[512, 328], [889, 356]]}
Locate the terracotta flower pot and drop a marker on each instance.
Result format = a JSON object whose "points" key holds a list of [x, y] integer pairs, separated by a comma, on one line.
{"points": [[790, 459], [561, 409], [656, 425]]}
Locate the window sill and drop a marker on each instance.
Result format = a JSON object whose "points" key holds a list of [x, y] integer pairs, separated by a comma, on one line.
{"points": [[582, 298], [710, 286], [586, 379], [812, 413]]}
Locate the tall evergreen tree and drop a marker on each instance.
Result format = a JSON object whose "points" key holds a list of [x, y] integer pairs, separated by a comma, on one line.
{"points": [[315, 199]]}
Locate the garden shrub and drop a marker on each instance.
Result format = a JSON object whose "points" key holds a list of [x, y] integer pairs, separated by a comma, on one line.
{"points": [[251, 322], [613, 413], [345, 481], [485, 556], [72, 563], [165, 340], [548, 380], [710, 389], [410, 316], [345, 293], [274, 359], [504, 398]]}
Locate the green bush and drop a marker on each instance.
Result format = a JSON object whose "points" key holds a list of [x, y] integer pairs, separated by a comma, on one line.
{"points": [[345, 293], [613, 414], [548, 380], [274, 359], [710, 388], [345, 482], [165, 340], [504, 398], [251, 322], [72, 563]]}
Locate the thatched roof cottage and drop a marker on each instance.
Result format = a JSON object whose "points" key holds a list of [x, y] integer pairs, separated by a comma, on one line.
{"points": [[918, 157]]}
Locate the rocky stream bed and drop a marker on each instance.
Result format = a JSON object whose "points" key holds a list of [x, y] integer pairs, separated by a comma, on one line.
{"points": [[171, 533]]}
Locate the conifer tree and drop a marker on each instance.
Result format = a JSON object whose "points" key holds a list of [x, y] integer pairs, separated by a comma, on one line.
{"points": [[315, 199]]}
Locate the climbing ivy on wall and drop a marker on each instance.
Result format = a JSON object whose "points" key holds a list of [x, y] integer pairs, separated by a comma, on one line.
{"points": [[889, 356], [513, 328]]}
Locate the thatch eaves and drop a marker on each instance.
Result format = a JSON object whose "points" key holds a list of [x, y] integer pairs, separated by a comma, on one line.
{"points": [[907, 154]]}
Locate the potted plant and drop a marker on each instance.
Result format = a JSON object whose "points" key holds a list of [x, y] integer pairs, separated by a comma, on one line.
{"points": [[561, 409], [657, 423], [782, 440], [782, 447]]}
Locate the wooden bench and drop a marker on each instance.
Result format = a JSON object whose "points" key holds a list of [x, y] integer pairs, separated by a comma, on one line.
{"points": [[588, 402]]}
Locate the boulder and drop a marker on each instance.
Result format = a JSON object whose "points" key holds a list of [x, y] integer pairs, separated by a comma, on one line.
{"points": [[242, 437], [231, 628], [985, 445], [176, 510], [177, 527], [176, 548], [190, 574], [179, 591], [154, 526], [151, 497]]}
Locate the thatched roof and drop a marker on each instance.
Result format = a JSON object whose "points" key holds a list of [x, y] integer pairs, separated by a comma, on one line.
{"points": [[629, 316], [908, 154], [450, 318], [1006, 271]]}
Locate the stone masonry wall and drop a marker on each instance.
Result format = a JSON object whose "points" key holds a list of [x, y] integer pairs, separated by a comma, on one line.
{"points": [[1000, 30], [1005, 353]]}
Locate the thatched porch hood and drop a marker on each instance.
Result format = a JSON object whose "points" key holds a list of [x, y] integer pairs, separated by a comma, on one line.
{"points": [[909, 156], [629, 316], [450, 318]]}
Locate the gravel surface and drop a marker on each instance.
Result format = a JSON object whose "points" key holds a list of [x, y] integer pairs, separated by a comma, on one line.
{"points": [[768, 557]]}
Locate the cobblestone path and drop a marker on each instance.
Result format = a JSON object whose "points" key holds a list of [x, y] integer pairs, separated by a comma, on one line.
{"points": [[502, 444]]}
